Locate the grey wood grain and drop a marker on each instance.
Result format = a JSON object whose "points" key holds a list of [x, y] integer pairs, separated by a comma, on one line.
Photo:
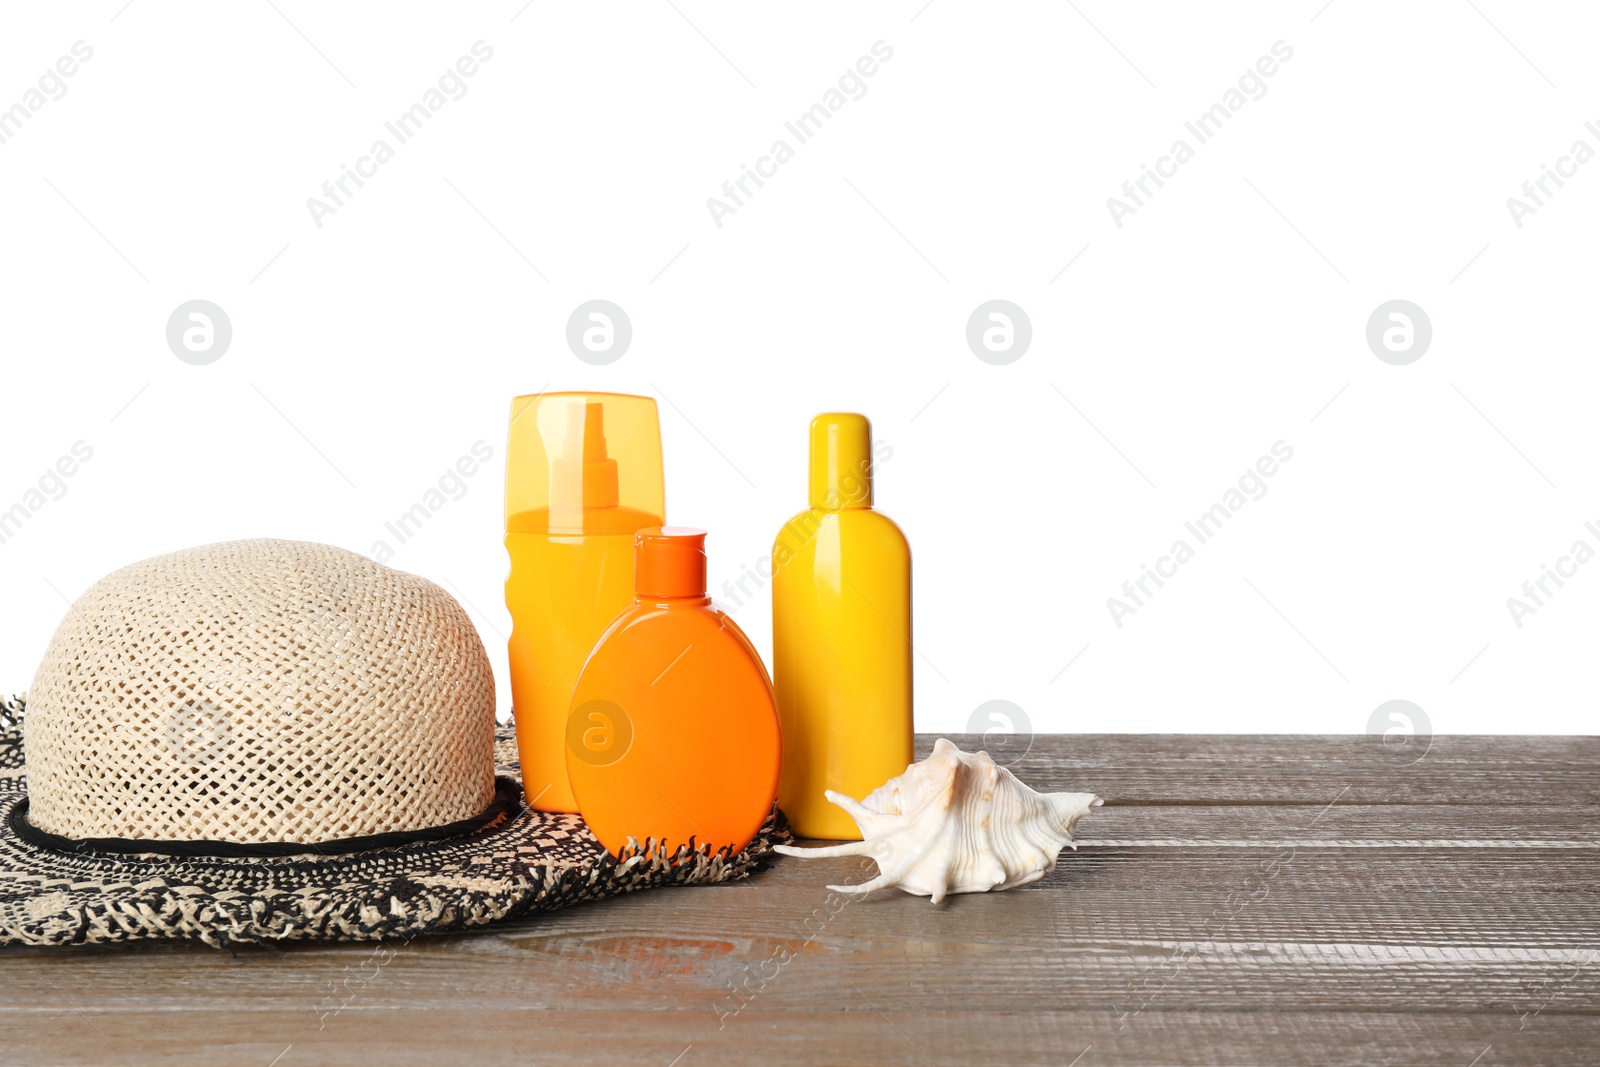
{"points": [[1239, 900]]}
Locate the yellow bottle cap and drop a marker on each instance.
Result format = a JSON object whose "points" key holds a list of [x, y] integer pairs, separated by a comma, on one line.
{"points": [[584, 463], [841, 461]]}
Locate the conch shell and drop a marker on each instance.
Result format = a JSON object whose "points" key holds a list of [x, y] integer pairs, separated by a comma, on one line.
{"points": [[956, 823]]}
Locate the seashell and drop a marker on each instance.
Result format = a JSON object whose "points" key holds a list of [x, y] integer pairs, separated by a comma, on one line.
{"points": [[956, 823]]}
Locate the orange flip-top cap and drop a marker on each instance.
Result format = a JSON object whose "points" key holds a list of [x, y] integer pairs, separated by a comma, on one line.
{"points": [[669, 561]]}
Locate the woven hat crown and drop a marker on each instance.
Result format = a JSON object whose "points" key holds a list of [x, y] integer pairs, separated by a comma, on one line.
{"points": [[260, 691]]}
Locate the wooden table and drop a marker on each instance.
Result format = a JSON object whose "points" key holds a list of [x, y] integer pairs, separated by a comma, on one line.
{"points": [[1261, 900]]}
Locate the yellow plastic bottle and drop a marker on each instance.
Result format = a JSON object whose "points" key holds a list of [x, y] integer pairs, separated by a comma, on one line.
{"points": [[583, 473], [841, 636]]}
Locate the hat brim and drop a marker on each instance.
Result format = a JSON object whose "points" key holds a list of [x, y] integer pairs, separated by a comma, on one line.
{"points": [[527, 862]]}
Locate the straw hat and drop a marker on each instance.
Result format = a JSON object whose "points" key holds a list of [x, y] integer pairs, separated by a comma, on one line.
{"points": [[268, 740]]}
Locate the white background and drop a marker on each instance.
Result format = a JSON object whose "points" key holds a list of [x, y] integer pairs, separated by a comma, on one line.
{"points": [[1229, 313]]}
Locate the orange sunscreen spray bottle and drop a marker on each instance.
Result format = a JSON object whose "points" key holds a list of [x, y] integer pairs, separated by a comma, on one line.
{"points": [[673, 733], [841, 636], [583, 473]]}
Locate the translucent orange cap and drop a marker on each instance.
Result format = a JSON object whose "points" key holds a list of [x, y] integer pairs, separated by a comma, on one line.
{"points": [[584, 463], [669, 561], [841, 461]]}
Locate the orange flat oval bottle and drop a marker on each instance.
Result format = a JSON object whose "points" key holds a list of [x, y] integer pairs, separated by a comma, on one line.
{"points": [[673, 730]]}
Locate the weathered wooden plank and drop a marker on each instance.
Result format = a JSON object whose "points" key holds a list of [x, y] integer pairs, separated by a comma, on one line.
{"points": [[1031, 948], [1484, 826], [1297, 769], [1419, 930], [451, 1031]]}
